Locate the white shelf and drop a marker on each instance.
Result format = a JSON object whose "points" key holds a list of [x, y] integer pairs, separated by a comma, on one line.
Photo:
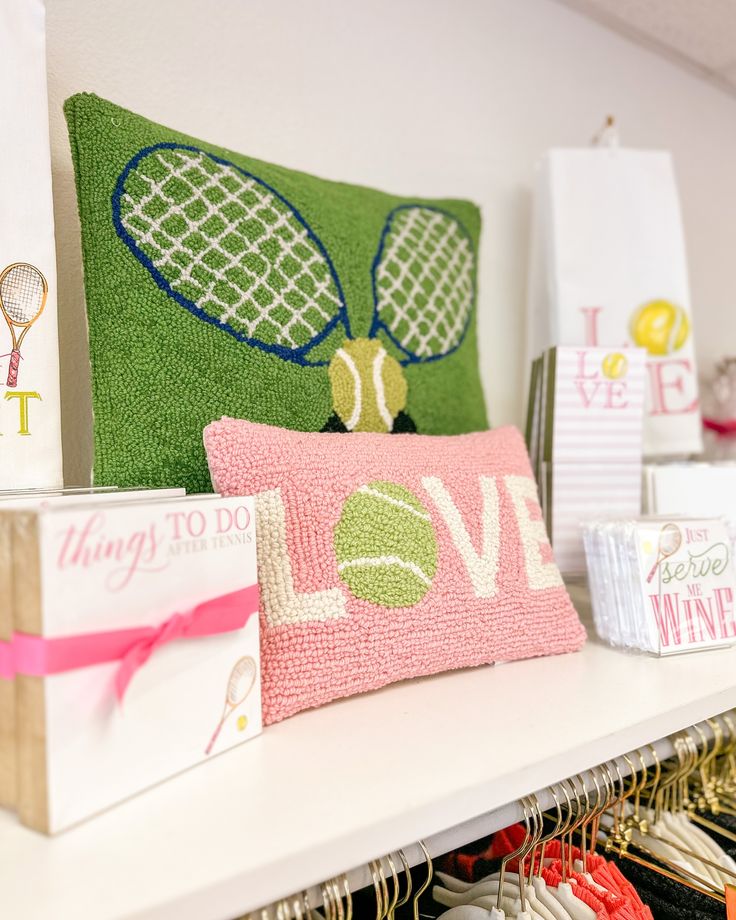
{"points": [[330, 789]]}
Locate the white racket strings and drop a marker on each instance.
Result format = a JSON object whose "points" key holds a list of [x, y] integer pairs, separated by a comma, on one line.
{"points": [[22, 292]]}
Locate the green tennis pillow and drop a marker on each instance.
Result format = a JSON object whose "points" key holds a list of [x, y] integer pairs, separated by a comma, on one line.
{"points": [[220, 285]]}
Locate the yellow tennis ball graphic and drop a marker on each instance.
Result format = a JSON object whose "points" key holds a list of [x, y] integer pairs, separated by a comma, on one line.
{"points": [[660, 326], [385, 545], [615, 365], [242, 723], [368, 386]]}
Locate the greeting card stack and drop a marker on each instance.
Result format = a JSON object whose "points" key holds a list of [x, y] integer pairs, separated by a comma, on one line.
{"points": [[662, 585], [584, 434], [134, 651]]}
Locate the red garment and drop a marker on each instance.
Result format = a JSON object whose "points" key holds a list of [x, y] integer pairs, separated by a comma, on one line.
{"points": [[553, 877], [610, 876], [463, 864], [507, 841], [620, 901], [618, 906]]}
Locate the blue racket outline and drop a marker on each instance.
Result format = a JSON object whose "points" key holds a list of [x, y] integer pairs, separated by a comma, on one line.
{"points": [[295, 355], [379, 324]]}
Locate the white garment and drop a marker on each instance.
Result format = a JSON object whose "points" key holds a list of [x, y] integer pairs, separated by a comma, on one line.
{"points": [[465, 912], [485, 894], [545, 896], [573, 905], [510, 910], [672, 827]]}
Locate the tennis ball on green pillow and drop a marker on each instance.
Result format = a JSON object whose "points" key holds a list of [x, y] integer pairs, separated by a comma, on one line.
{"points": [[368, 386]]}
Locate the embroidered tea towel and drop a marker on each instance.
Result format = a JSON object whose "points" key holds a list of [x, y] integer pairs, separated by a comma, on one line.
{"points": [[30, 426], [609, 268]]}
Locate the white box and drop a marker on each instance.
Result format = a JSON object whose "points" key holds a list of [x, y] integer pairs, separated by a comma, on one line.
{"points": [[159, 568]]}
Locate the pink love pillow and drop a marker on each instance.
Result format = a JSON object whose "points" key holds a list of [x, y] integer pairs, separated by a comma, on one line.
{"points": [[382, 557]]}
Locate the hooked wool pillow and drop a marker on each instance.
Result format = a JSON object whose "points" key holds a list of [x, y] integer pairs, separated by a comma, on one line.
{"points": [[221, 284], [382, 558]]}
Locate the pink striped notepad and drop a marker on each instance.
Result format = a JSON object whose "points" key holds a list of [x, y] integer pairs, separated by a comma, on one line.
{"points": [[593, 442]]}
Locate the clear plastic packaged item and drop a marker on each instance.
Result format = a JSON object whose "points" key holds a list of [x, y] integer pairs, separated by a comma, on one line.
{"points": [[662, 585]]}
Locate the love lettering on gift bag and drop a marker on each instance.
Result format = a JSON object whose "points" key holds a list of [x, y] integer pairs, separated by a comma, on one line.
{"points": [[663, 329], [609, 269]]}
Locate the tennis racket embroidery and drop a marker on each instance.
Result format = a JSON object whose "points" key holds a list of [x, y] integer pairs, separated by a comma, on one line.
{"points": [[240, 683], [235, 253], [23, 292]]}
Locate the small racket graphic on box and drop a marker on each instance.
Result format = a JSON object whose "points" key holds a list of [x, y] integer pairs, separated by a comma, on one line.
{"points": [[241, 681], [670, 540], [23, 292], [234, 252]]}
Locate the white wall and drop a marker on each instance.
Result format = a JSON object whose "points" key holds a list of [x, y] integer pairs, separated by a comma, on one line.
{"points": [[425, 97]]}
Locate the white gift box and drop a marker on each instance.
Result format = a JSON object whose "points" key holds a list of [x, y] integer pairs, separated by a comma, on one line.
{"points": [[9, 504], [136, 648]]}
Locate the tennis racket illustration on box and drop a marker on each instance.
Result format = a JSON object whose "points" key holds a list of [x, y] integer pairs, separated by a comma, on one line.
{"points": [[670, 540], [240, 683], [235, 253], [23, 292]]}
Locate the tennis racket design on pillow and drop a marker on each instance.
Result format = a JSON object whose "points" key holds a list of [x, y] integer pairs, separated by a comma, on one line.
{"points": [[234, 252], [23, 293], [240, 683]]}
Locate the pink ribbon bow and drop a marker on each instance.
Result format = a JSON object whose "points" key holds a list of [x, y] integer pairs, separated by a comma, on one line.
{"points": [[40, 656]]}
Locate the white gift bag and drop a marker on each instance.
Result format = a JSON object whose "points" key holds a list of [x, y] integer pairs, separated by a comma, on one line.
{"points": [[609, 268], [30, 425]]}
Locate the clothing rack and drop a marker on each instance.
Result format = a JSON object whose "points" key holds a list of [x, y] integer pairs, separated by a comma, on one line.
{"points": [[488, 823], [329, 790]]}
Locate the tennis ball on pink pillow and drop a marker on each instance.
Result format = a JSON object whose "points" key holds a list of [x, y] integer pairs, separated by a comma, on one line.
{"points": [[660, 326], [385, 545], [368, 386]]}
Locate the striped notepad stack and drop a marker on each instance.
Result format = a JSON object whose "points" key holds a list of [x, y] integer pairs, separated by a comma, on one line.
{"points": [[584, 433]]}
